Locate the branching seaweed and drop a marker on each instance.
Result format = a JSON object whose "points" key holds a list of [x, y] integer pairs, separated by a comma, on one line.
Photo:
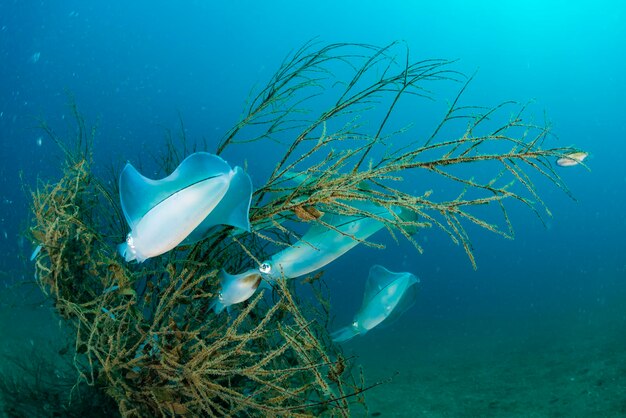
{"points": [[173, 356], [146, 333], [337, 169]]}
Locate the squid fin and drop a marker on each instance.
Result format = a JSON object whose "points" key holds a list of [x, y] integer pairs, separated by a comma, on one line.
{"points": [[139, 194], [232, 210], [344, 334], [217, 307]]}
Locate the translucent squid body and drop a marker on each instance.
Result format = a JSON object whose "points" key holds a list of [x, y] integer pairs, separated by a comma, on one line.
{"points": [[387, 296], [322, 244], [572, 159], [202, 192], [319, 246], [236, 288]]}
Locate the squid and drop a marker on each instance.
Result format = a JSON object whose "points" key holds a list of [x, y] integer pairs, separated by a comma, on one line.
{"points": [[387, 296], [326, 241], [202, 192], [236, 288]]}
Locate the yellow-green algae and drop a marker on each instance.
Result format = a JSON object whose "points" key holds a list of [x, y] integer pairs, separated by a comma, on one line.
{"points": [[144, 332]]}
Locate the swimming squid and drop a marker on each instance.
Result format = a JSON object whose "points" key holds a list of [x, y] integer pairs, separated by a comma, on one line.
{"points": [[236, 288], [319, 246], [322, 244], [203, 191], [387, 296]]}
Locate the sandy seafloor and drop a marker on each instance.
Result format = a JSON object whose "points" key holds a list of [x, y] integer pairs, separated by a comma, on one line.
{"points": [[570, 365]]}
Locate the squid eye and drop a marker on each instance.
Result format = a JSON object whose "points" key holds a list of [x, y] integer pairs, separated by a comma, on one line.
{"points": [[130, 241], [265, 268]]}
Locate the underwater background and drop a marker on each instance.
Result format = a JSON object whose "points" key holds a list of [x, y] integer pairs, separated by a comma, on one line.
{"points": [[537, 330]]}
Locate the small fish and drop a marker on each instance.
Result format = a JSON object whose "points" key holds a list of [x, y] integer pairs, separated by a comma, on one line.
{"points": [[572, 159], [39, 141], [110, 289], [35, 252], [106, 311]]}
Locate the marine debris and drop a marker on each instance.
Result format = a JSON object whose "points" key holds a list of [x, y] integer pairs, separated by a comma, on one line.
{"points": [[147, 332]]}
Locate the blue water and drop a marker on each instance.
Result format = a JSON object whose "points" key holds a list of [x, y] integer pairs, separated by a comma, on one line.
{"points": [[134, 67]]}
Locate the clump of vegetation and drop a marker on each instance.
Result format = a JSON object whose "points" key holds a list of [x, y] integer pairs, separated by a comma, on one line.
{"points": [[145, 332]]}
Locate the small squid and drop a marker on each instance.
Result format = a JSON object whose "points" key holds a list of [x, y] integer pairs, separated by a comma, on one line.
{"points": [[387, 296], [236, 288]]}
